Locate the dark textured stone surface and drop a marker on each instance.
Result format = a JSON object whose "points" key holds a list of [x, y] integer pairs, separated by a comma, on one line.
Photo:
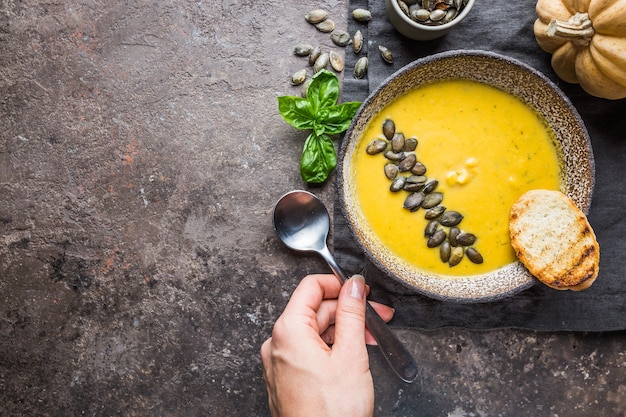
{"points": [[141, 153]]}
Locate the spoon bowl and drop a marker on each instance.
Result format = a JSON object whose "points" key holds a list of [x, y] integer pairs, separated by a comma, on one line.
{"points": [[302, 222]]}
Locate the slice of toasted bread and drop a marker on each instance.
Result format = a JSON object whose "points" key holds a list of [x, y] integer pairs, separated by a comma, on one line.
{"points": [[554, 240]]}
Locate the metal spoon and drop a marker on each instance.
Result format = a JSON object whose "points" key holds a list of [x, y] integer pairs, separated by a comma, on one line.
{"points": [[302, 223]]}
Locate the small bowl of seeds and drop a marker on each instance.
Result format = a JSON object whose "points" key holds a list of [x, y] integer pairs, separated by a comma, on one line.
{"points": [[436, 157], [425, 20]]}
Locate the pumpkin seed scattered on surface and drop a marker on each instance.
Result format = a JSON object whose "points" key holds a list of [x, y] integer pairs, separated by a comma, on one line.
{"points": [[316, 16], [336, 61], [302, 49], [298, 77], [360, 68], [315, 53], [321, 62], [305, 87], [386, 54], [362, 15], [340, 37], [325, 26], [357, 41]]}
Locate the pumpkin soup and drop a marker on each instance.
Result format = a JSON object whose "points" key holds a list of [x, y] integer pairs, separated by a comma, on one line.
{"points": [[483, 146]]}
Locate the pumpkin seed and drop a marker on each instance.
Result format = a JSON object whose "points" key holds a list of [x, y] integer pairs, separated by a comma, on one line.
{"points": [[451, 218], [430, 186], [407, 163], [397, 142], [397, 184], [321, 62], [466, 239], [302, 49], [336, 61], [357, 42], [360, 68], [340, 37], [389, 129], [474, 256], [386, 54], [436, 239], [325, 26], [417, 179], [413, 188], [429, 4], [410, 144], [376, 146], [431, 200], [415, 183], [434, 212], [315, 53], [418, 168], [437, 15], [298, 77], [444, 251], [395, 156], [391, 171], [452, 234], [316, 16], [404, 7], [431, 228], [451, 13], [305, 87], [419, 14], [362, 15], [413, 201], [456, 256]]}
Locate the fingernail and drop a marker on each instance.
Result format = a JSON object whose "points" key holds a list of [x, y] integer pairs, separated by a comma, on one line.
{"points": [[358, 287]]}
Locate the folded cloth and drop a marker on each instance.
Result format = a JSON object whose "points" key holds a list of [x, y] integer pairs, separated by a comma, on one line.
{"points": [[504, 27]]}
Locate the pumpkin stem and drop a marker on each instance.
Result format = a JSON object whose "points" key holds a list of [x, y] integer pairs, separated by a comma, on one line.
{"points": [[578, 29]]}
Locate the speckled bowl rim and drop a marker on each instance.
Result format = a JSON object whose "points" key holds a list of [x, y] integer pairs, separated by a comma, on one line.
{"points": [[507, 74]]}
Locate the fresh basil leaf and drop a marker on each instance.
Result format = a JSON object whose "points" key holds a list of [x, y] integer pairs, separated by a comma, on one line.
{"points": [[296, 111], [323, 91], [336, 119], [318, 158]]}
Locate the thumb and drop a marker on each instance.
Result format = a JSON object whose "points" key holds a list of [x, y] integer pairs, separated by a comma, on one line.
{"points": [[350, 317]]}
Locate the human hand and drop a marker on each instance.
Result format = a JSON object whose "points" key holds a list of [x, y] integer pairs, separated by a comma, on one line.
{"points": [[316, 362]]}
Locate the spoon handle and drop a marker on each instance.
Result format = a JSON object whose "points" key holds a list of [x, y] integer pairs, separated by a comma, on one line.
{"points": [[391, 347]]}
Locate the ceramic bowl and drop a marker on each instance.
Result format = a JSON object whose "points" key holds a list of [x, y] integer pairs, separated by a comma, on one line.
{"points": [[506, 74], [418, 31]]}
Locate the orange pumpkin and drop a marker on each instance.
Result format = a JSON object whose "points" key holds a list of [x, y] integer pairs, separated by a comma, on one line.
{"points": [[587, 40]]}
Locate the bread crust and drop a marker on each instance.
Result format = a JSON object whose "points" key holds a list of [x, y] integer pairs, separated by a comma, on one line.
{"points": [[554, 240]]}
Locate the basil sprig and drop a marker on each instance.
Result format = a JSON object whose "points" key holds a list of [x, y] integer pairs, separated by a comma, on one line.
{"points": [[320, 113]]}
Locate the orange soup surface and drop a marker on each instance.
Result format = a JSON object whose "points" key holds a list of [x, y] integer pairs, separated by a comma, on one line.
{"points": [[484, 147]]}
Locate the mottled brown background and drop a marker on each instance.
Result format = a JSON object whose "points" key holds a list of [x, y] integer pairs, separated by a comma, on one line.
{"points": [[141, 153]]}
